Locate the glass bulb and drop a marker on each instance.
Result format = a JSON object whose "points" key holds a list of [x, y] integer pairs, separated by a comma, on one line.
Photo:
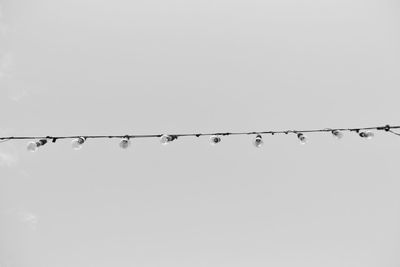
{"points": [[370, 135], [258, 141], [125, 143], [337, 134], [367, 134], [302, 138], [165, 139], [77, 143], [215, 139], [32, 146]]}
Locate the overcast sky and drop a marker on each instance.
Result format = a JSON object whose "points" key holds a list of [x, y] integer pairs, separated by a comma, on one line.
{"points": [[136, 67]]}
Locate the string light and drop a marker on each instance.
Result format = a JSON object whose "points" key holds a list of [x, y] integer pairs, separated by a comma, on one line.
{"points": [[166, 139], [337, 134], [302, 138], [215, 138], [34, 145], [125, 143], [258, 141], [77, 143], [367, 134]]}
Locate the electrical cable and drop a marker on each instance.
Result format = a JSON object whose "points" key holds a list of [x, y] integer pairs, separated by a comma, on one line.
{"points": [[398, 134]]}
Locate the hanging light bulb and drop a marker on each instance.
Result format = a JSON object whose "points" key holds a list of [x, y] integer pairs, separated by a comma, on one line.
{"points": [[125, 143], [166, 139], [338, 134], [302, 138], [34, 145], [78, 142], [370, 135], [258, 141], [215, 139], [367, 134]]}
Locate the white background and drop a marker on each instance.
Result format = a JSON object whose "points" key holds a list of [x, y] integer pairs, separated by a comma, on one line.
{"points": [[136, 67]]}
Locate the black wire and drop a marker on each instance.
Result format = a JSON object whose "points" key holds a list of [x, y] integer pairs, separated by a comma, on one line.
{"points": [[394, 132], [386, 128]]}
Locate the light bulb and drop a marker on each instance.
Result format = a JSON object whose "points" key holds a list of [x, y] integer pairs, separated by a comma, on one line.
{"points": [[258, 141], [367, 134], [338, 134], [370, 135], [32, 146], [165, 139], [215, 139], [78, 142], [302, 138], [125, 143]]}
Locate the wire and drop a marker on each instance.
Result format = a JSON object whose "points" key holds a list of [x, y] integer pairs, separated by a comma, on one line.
{"points": [[386, 128], [394, 132]]}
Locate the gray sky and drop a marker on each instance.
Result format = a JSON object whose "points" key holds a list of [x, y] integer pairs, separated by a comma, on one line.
{"points": [[119, 67]]}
